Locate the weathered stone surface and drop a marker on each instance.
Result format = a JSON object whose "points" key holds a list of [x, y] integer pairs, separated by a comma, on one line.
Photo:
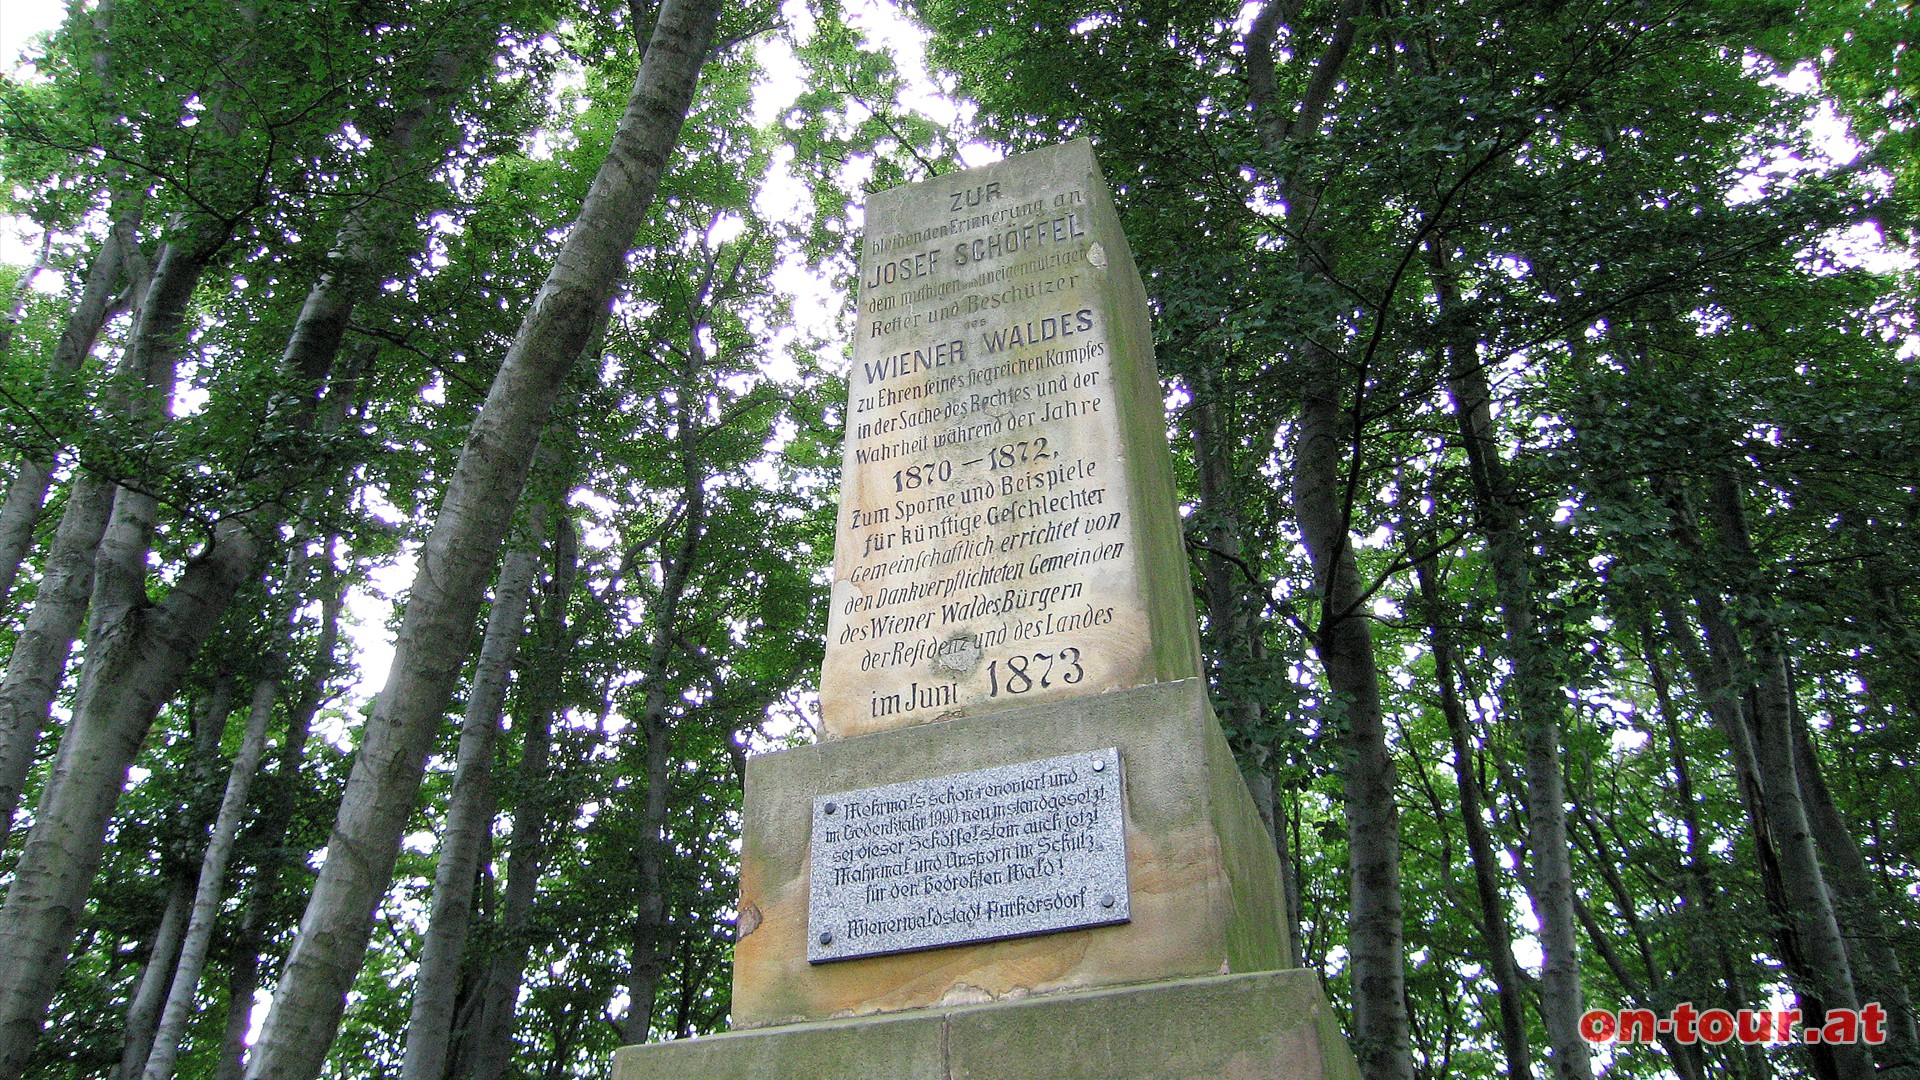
{"points": [[907, 1047], [1204, 878], [1261, 1026], [1028, 848], [1007, 529]]}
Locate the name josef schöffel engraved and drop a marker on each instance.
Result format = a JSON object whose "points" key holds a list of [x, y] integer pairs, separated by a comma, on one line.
{"points": [[992, 529], [1019, 849]]}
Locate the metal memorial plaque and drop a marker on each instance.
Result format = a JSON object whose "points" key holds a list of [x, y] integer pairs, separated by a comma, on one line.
{"points": [[1018, 849]]}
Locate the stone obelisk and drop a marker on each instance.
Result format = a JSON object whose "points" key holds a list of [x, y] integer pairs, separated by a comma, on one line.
{"points": [[1023, 847]]}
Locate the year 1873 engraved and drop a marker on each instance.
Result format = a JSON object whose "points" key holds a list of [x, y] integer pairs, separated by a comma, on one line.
{"points": [[1019, 849]]}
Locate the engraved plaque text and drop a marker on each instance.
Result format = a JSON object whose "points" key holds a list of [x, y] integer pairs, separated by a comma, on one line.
{"points": [[1018, 849]]}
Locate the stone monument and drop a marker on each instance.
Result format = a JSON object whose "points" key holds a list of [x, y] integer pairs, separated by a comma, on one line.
{"points": [[1023, 848]]}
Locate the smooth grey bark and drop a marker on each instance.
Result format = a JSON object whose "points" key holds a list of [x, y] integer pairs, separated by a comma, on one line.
{"points": [[488, 1047], [1325, 432], [269, 835], [103, 293], [111, 280], [38, 662], [463, 546], [114, 707], [1809, 899], [1719, 666], [1534, 689], [1858, 904], [469, 822], [1508, 988], [207, 893], [143, 1012], [136, 654]]}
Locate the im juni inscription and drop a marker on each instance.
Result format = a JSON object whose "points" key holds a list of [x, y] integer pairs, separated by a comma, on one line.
{"points": [[1002, 852], [988, 548]]}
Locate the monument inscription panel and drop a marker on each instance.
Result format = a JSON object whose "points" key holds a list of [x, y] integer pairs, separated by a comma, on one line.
{"points": [[1003, 852], [994, 510]]}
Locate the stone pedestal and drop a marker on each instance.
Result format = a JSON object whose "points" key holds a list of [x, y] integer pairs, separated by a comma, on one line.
{"points": [[1205, 879], [1272, 1025]]}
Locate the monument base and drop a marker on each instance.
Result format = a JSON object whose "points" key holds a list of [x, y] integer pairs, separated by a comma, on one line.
{"points": [[1205, 882], [1266, 1025]]}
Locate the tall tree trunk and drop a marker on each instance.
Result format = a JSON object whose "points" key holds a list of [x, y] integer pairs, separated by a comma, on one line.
{"points": [[1719, 671], [207, 895], [1697, 889], [1344, 642], [652, 947], [1809, 900], [144, 1011], [103, 293], [1234, 622], [1325, 433], [651, 944], [1486, 867], [270, 832], [136, 655], [462, 548], [489, 1047], [38, 663], [1533, 688], [1713, 668], [470, 809], [1858, 902]]}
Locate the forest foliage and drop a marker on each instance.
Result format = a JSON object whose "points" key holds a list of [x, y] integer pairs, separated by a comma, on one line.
{"points": [[1541, 381]]}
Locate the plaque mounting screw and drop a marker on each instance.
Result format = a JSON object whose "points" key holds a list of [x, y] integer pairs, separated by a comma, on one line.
{"points": [[830, 808], [1105, 901], [1100, 765], [827, 938]]}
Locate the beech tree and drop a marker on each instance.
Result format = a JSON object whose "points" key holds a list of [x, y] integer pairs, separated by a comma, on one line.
{"points": [[1542, 398]]}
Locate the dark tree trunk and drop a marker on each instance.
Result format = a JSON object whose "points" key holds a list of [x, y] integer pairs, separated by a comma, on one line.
{"points": [[1809, 901], [269, 836], [1534, 692], [1858, 903], [1486, 867]]}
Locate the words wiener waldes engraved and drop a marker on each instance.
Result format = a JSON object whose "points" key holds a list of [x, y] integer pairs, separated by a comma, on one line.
{"points": [[1029, 848], [985, 555]]}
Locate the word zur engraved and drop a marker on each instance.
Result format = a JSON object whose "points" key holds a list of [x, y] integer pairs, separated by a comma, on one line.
{"points": [[989, 550], [1003, 852]]}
